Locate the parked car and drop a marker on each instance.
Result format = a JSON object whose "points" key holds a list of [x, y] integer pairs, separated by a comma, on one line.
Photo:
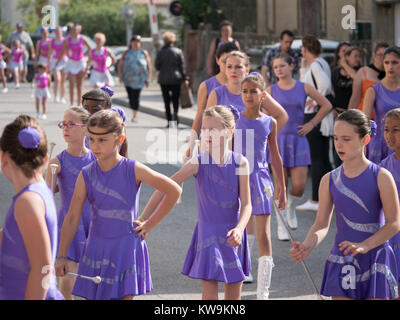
{"points": [[257, 53]]}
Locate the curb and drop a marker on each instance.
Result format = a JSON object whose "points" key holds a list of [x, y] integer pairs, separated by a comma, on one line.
{"points": [[152, 111]]}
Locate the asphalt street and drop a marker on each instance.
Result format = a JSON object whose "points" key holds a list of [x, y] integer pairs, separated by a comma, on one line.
{"points": [[150, 143]]}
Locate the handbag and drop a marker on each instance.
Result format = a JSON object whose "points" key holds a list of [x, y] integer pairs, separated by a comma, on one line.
{"points": [[186, 97]]}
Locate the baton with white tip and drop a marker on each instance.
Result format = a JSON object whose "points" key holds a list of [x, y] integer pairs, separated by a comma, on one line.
{"points": [[52, 145], [53, 168], [96, 279], [269, 193]]}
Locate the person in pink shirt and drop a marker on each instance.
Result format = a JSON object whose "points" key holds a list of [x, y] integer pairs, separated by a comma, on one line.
{"points": [[3, 65], [43, 48], [76, 65], [58, 71], [42, 81], [100, 76], [16, 65]]}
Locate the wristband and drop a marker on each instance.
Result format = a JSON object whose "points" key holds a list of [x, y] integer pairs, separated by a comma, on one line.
{"points": [[141, 219]]}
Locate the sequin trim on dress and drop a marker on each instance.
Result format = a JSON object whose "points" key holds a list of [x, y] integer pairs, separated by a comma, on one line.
{"points": [[337, 180]]}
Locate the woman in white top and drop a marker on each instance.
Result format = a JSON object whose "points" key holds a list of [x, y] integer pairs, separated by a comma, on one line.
{"points": [[316, 72]]}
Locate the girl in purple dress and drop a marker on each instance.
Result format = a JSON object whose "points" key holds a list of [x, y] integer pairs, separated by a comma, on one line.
{"points": [[70, 163], [205, 88], [28, 241], [236, 68], [218, 251], [381, 98], [254, 132], [392, 164], [292, 141], [115, 250], [361, 264]]}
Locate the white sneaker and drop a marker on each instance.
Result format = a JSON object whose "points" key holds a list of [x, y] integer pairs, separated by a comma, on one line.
{"points": [[248, 279], [63, 101], [308, 206], [38, 115], [5, 90], [17, 86], [56, 99], [44, 117]]}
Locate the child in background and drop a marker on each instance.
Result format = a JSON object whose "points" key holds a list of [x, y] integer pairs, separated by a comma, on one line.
{"points": [[218, 251], [392, 164], [361, 264], [292, 142], [255, 132], [100, 75], [42, 81], [16, 65], [112, 185], [28, 241], [69, 164], [4, 52]]}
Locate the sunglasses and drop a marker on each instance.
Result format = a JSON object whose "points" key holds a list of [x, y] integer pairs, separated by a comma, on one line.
{"points": [[70, 124]]}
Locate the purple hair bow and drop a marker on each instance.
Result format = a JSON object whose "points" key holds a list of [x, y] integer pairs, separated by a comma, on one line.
{"points": [[235, 112], [108, 90], [29, 138]]}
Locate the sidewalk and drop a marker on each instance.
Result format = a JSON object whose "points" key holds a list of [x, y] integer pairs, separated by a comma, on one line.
{"points": [[151, 102]]}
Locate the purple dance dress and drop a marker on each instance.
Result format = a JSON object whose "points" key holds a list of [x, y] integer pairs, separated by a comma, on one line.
{"points": [[210, 257], [251, 140], [14, 260], [359, 215], [70, 168], [211, 84], [112, 250], [294, 149], [226, 98]]}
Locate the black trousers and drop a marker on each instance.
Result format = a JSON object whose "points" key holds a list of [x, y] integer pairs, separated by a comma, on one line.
{"points": [[319, 149], [171, 93], [134, 97]]}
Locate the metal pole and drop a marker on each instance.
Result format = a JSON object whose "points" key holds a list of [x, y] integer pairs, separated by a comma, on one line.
{"points": [[54, 3]]}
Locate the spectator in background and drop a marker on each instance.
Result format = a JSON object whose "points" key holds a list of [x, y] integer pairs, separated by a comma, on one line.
{"points": [[225, 28], [342, 83], [342, 77], [134, 71], [339, 53], [316, 72], [170, 64], [285, 45], [367, 76], [27, 45]]}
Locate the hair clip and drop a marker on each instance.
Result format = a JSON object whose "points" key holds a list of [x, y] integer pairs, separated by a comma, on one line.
{"points": [[255, 73], [235, 112], [373, 127], [29, 138], [120, 112], [108, 90]]}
